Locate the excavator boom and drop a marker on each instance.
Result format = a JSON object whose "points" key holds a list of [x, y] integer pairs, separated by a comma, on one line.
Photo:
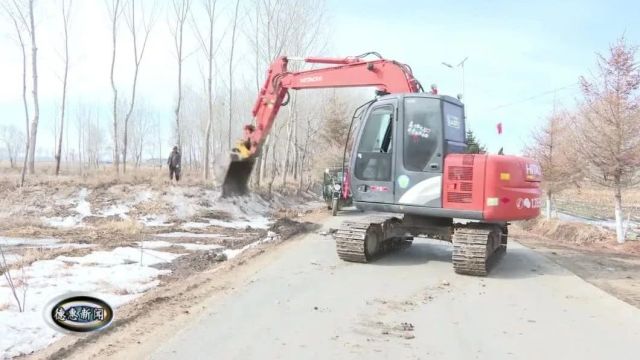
{"points": [[386, 76]]}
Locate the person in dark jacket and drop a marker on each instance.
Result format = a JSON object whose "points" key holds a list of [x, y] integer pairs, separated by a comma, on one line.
{"points": [[174, 164]]}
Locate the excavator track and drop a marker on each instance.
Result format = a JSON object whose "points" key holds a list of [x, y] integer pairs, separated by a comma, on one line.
{"points": [[477, 247], [367, 239]]}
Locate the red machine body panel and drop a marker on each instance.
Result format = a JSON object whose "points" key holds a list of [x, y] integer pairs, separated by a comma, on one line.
{"points": [[504, 188]]}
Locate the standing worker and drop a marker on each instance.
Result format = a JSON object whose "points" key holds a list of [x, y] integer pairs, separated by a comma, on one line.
{"points": [[174, 164]]}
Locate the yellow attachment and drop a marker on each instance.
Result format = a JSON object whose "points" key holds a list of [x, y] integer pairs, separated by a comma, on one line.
{"points": [[243, 152]]}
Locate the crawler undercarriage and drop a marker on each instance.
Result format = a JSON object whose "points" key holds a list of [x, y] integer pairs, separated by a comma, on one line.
{"points": [[476, 245]]}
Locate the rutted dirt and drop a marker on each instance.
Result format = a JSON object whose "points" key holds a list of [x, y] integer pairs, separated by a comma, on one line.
{"points": [[589, 252], [194, 279]]}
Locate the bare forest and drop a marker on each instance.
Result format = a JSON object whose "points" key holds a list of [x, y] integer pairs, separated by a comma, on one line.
{"points": [[597, 142], [218, 52]]}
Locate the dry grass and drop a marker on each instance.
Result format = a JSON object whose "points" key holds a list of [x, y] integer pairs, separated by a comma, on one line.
{"points": [[573, 235], [563, 231], [103, 177], [23, 222], [594, 201]]}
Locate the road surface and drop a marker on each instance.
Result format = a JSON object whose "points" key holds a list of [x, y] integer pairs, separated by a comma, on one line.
{"points": [[307, 304]]}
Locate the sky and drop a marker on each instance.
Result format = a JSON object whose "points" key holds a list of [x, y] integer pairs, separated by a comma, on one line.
{"points": [[517, 50]]}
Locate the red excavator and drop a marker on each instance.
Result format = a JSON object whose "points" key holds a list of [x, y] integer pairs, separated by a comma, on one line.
{"points": [[408, 163]]}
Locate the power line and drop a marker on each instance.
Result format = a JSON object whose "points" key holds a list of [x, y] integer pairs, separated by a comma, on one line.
{"points": [[533, 97]]}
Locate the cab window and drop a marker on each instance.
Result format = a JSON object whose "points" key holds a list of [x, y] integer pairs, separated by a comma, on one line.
{"points": [[373, 159], [422, 134]]}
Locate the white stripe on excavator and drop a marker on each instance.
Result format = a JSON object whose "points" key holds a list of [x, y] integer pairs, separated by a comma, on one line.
{"points": [[423, 192]]}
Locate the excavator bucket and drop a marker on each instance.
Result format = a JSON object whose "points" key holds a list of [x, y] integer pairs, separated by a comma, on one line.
{"points": [[237, 178]]}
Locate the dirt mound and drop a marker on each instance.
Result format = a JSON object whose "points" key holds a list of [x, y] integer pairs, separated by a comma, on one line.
{"points": [[572, 232], [287, 228]]}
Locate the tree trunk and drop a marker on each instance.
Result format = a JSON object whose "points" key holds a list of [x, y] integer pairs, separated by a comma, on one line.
{"points": [[296, 151], [116, 150], [619, 216], [285, 166], [25, 102], [233, 43], [36, 104], [549, 200], [263, 160], [64, 87]]}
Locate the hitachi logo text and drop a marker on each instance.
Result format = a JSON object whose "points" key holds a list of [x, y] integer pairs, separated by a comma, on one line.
{"points": [[311, 79]]}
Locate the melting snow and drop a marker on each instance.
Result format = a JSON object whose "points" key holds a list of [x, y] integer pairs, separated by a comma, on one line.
{"points": [[121, 255], [48, 243], [116, 210], [189, 235], [66, 222], [231, 253], [154, 244], [111, 275], [195, 225], [258, 222], [155, 220], [196, 247], [11, 259], [83, 208]]}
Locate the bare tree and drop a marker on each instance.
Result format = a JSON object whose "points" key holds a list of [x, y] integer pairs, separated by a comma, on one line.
{"points": [[142, 127], [284, 27], [12, 139], [66, 10], [138, 53], [609, 123], [207, 48], [556, 155], [231, 53], [115, 9], [18, 19], [181, 12], [34, 89]]}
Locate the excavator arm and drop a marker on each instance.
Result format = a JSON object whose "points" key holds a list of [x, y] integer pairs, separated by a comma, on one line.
{"points": [[386, 76]]}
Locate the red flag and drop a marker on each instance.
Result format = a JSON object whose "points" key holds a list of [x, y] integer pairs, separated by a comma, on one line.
{"points": [[499, 127]]}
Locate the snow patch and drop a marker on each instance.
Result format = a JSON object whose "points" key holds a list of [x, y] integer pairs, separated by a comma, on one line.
{"points": [[66, 222], [11, 259], [195, 225], [179, 234], [122, 255], [257, 222], [200, 247], [45, 243], [83, 208], [231, 253], [155, 221], [110, 275], [120, 210], [155, 244]]}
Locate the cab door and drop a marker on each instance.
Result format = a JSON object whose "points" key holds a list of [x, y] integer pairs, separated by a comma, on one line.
{"points": [[419, 158], [372, 161]]}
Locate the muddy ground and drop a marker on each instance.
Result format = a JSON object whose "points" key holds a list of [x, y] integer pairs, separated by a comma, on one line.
{"points": [[589, 252]]}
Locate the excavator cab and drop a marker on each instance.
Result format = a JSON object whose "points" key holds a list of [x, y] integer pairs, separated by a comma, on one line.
{"points": [[399, 157]]}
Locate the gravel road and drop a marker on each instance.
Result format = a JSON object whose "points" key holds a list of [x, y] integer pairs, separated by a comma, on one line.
{"points": [[307, 304]]}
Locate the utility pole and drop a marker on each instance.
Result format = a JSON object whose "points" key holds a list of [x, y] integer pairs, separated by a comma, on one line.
{"points": [[461, 66]]}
